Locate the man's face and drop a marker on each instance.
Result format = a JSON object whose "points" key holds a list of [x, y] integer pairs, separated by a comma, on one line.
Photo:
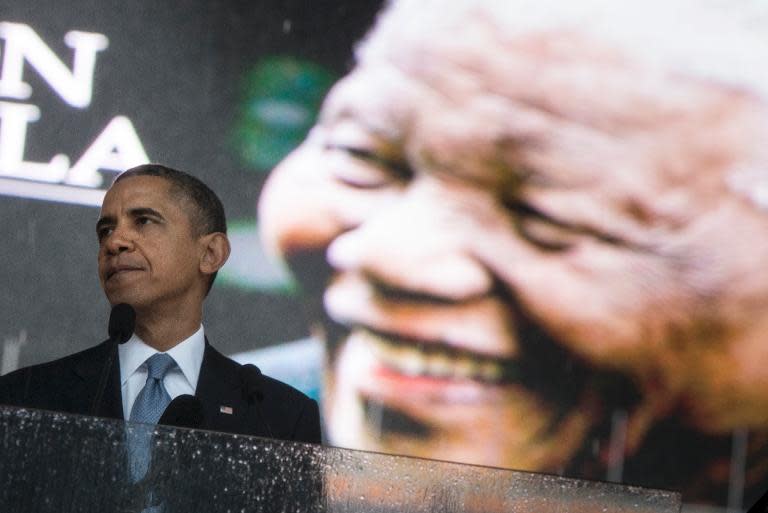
{"points": [[148, 256], [504, 252]]}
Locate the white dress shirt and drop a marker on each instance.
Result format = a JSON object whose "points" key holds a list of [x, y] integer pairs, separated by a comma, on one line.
{"points": [[182, 379]]}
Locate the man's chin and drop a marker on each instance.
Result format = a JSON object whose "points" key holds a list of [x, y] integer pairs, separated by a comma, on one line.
{"points": [[126, 297], [117, 298]]}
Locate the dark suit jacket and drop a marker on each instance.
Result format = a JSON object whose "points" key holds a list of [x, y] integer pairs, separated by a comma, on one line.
{"points": [[70, 385]]}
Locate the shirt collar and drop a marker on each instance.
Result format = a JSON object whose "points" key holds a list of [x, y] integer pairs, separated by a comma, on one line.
{"points": [[188, 355]]}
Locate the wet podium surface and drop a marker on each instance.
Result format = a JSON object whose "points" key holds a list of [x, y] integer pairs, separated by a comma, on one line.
{"points": [[54, 462]]}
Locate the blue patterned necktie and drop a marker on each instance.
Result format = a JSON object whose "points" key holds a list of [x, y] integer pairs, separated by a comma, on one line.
{"points": [[148, 408]]}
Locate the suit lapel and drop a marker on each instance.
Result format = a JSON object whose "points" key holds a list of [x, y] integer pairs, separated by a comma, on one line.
{"points": [[219, 389], [88, 371]]}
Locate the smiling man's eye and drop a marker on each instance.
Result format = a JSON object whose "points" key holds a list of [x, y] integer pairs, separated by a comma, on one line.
{"points": [[545, 234], [539, 229], [553, 234], [364, 168]]}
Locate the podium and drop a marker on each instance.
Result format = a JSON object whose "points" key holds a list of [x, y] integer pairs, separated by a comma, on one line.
{"points": [[60, 463]]}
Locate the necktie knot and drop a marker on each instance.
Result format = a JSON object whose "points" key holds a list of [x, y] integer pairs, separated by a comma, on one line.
{"points": [[158, 365]]}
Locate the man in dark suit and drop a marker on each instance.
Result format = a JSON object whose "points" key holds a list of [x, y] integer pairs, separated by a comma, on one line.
{"points": [[162, 239]]}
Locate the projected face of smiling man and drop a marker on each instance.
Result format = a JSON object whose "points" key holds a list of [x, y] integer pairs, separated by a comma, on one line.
{"points": [[504, 226]]}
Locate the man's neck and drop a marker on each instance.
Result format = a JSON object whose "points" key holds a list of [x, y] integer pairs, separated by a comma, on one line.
{"points": [[164, 331]]}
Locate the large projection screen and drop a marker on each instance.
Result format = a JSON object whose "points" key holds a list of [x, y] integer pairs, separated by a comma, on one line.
{"points": [[519, 234]]}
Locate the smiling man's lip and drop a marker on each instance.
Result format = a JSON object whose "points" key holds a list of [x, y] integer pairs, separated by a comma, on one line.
{"points": [[485, 347], [432, 360], [411, 379], [400, 362]]}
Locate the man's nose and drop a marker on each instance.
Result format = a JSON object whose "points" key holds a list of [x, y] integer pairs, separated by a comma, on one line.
{"points": [[297, 204], [118, 241], [419, 244]]}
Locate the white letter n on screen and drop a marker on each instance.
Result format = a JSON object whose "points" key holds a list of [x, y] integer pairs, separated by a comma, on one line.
{"points": [[23, 44]]}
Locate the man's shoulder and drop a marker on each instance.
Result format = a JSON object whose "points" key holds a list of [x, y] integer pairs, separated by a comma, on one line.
{"points": [[280, 391], [64, 363], [32, 385], [269, 387], [297, 363], [286, 412], [296, 414]]}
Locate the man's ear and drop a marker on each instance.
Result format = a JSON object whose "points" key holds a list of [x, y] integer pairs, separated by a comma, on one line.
{"points": [[215, 252]]}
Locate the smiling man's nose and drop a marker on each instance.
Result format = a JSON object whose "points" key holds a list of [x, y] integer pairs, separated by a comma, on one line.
{"points": [[414, 247]]}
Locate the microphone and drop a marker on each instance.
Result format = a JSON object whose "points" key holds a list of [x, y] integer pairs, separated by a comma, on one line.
{"points": [[251, 376], [185, 411], [122, 322], [251, 379]]}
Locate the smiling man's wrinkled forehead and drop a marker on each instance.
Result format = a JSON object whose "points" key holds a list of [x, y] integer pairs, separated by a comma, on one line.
{"points": [[718, 40]]}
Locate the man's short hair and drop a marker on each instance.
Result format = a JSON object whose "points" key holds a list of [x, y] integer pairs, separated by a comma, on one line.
{"points": [[206, 212]]}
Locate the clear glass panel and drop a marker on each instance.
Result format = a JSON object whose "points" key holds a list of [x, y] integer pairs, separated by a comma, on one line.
{"points": [[54, 462]]}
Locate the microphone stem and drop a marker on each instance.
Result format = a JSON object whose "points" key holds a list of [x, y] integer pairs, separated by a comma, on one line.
{"points": [[105, 371]]}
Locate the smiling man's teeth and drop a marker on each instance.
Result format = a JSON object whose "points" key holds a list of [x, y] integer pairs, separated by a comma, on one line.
{"points": [[491, 371], [436, 361], [439, 365]]}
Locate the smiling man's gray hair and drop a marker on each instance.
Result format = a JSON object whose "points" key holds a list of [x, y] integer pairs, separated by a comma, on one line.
{"points": [[725, 41]]}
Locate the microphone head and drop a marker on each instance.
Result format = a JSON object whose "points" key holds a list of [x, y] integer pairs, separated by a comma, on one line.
{"points": [[122, 321], [251, 377], [184, 411]]}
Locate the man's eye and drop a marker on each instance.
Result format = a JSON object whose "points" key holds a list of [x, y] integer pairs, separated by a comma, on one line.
{"points": [[103, 233], [545, 234], [364, 169], [143, 220], [552, 234], [539, 229]]}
